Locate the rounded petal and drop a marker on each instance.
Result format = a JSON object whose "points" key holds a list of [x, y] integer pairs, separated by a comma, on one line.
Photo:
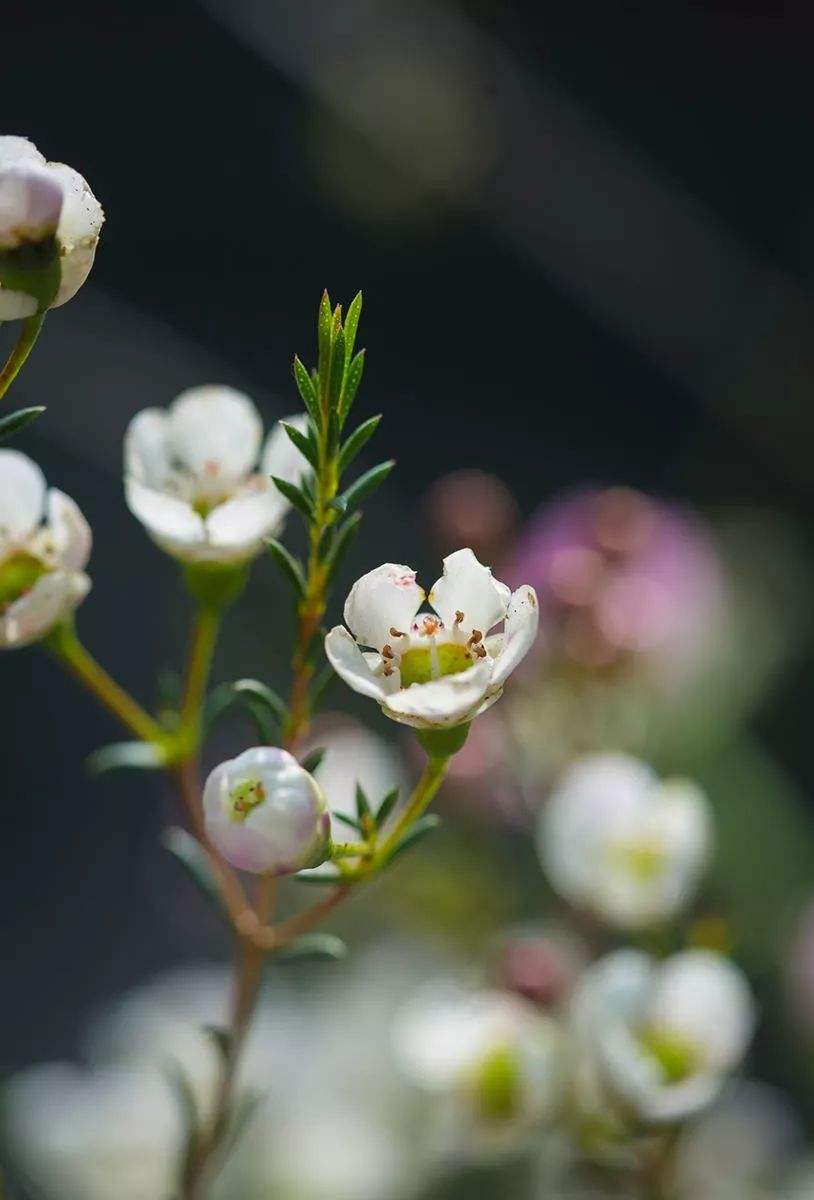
{"points": [[78, 231], [16, 306], [70, 531], [22, 495], [241, 524], [703, 997], [685, 821], [30, 204], [350, 664], [215, 431], [172, 522], [280, 456], [442, 703], [51, 598], [468, 587], [15, 149], [147, 453], [519, 633], [388, 597]]}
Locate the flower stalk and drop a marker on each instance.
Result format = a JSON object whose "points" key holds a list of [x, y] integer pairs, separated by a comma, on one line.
{"points": [[20, 351]]}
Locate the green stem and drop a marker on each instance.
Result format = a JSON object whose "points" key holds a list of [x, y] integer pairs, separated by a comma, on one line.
{"points": [[20, 351], [423, 795], [199, 663], [67, 648]]}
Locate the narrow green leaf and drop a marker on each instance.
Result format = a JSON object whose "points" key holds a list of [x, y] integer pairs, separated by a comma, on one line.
{"points": [[308, 393], [362, 804], [311, 761], [351, 822], [337, 370], [314, 947], [190, 1117], [241, 1118], [288, 565], [303, 443], [322, 683], [354, 378], [295, 496], [351, 325], [324, 322], [366, 484], [13, 422], [321, 878], [254, 689], [386, 807], [343, 541], [357, 440], [134, 756], [221, 1037], [193, 858], [414, 835], [224, 698]]}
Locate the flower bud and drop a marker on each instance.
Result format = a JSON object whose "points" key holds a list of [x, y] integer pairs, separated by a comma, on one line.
{"points": [[265, 814], [30, 205]]}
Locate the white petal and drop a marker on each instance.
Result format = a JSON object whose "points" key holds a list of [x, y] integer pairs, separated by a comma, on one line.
{"points": [[78, 232], [30, 204], [280, 456], [387, 597], [172, 522], [22, 495], [243, 522], [16, 306], [349, 663], [147, 451], [468, 587], [444, 702], [70, 531], [15, 149], [519, 633], [704, 998], [52, 597], [685, 822], [216, 432]]}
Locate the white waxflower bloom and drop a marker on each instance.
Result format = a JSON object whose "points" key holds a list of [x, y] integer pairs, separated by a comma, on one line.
{"points": [[38, 198], [660, 1038], [266, 814], [191, 475], [492, 1053], [617, 840], [44, 546], [432, 670]]}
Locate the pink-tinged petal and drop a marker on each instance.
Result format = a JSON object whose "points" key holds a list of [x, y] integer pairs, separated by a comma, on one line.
{"points": [[519, 632], [215, 431], [351, 665], [468, 586], [386, 598], [79, 227]]}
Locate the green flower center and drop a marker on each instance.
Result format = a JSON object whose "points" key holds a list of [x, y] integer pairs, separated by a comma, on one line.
{"points": [[643, 858], [243, 797], [497, 1085], [676, 1056], [18, 574], [422, 665]]}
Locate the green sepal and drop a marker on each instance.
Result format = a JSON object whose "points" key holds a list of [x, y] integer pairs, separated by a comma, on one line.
{"points": [[362, 487], [215, 585], [295, 496], [288, 565], [133, 756], [308, 393], [415, 834], [443, 743], [357, 440], [386, 807], [352, 381], [312, 761], [13, 422], [314, 947], [33, 269], [193, 858], [303, 443]]}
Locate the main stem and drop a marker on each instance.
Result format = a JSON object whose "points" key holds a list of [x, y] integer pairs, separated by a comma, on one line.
{"points": [[20, 351], [199, 663]]}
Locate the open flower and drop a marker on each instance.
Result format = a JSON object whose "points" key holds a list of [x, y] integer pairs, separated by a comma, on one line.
{"points": [[44, 546], [37, 200], [661, 1038], [266, 814], [191, 478], [432, 670], [617, 840]]}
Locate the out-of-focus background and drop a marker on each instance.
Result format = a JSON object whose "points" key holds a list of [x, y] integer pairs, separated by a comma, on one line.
{"points": [[585, 234]]}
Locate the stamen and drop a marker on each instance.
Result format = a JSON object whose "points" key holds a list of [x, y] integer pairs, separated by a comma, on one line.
{"points": [[387, 651], [458, 617], [388, 668], [480, 651], [475, 637], [397, 632]]}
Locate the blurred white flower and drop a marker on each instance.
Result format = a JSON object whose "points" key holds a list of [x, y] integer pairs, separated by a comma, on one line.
{"points": [[659, 1039], [493, 1054], [44, 546], [191, 478], [38, 199], [266, 814], [618, 841], [428, 670]]}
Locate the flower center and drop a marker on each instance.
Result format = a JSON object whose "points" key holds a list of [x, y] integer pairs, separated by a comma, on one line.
{"points": [[675, 1055], [18, 574], [642, 858], [497, 1083], [423, 664], [243, 797]]}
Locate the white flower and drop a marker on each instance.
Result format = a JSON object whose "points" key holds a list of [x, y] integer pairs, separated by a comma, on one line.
{"points": [[191, 479], [660, 1038], [44, 546], [266, 814], [38, 198], [494, 1053], [432, 670], [618, 841]]}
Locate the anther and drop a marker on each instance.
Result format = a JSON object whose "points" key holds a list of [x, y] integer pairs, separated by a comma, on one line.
{"points": [[387, 651], [480, 651], [388, 668], [397, 632], [458, 616], [475, 637]]}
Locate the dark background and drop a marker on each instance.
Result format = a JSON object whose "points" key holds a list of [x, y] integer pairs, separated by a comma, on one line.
{"points": [[585, 234]]}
